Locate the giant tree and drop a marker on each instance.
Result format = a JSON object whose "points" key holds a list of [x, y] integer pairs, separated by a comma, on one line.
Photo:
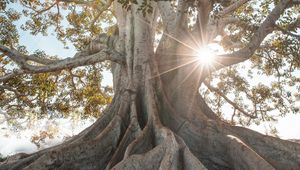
{"points": [[157, 118]]}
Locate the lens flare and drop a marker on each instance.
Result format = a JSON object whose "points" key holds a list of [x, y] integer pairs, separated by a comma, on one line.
{"points": [[205, 55]]}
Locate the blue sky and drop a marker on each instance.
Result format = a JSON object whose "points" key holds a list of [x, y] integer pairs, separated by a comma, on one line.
{"points": [[48, 43]]}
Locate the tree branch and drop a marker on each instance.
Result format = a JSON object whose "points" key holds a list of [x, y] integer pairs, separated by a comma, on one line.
{"points": [[22, 59], [232, 7], [167, 12], [13, 55], [79, 2], [173, 20], [11, 75], [40, 60], [4, 87], [233, 104], [296, 2], [101, 10], [204, 7], [245, 53], [287, 32], [56, 65], [46, 9]]}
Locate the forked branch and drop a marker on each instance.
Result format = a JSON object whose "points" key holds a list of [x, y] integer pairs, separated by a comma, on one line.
{"points": [[266, 28], [47, 65]]}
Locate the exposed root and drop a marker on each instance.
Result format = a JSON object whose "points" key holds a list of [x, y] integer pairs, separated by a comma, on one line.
{"points": [[244, 149], [243, 157], [177, 155], [120, 108], [118, 155], [117, 141], [87, 155], [131, 133], [190, 161], [207, 143], [281, 154], [170, 152], [86, 134], [80, 151], [142, 161], [143, 143], [18, 163], [157, 147]]}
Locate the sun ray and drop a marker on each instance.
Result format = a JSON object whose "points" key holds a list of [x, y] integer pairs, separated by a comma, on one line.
{"points": [[203, 54], [182, 65], [189, 74]]}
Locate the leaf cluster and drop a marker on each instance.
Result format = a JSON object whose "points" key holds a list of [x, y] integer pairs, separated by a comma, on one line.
{"points": [[58, 94]]}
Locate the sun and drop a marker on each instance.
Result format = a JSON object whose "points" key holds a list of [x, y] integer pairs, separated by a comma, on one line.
{"points": [[205, 55]]}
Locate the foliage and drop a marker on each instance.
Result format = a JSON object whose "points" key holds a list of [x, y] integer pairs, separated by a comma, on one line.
{"points": [[58, 93], [41, 137]]}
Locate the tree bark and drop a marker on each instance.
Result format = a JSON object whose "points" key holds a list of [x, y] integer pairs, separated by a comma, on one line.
{"points": [[157, 119]]}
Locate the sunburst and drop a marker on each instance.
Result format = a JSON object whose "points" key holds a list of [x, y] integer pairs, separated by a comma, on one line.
{"points": [[205, 55]]}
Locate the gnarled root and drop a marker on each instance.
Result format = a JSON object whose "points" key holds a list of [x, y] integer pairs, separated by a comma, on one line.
{"points": [[117, 141]]}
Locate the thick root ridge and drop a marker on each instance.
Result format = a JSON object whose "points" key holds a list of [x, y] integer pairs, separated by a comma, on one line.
{"points": [[143, 143], [118, 155], [281, 154], [88, 155], [207, 144], [17, 162], [243, 157], [169, 152], [130, 135], [149, 160], [80, 153], [220, 146], [190, 161]]}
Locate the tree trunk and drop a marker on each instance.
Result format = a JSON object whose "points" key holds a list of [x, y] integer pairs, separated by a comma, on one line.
{"points": [[157, 119]]}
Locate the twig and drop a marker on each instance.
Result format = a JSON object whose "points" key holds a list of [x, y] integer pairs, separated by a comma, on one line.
{"points": [[211, 88]]}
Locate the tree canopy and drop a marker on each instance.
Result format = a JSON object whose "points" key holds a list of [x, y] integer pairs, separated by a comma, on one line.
{"points": [[79, 22]]}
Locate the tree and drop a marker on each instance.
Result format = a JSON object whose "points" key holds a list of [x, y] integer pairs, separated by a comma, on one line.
{"points": [[157, 118]]}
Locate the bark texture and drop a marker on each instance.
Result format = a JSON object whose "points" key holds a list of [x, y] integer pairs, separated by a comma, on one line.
{"points": [[157, 119]]}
